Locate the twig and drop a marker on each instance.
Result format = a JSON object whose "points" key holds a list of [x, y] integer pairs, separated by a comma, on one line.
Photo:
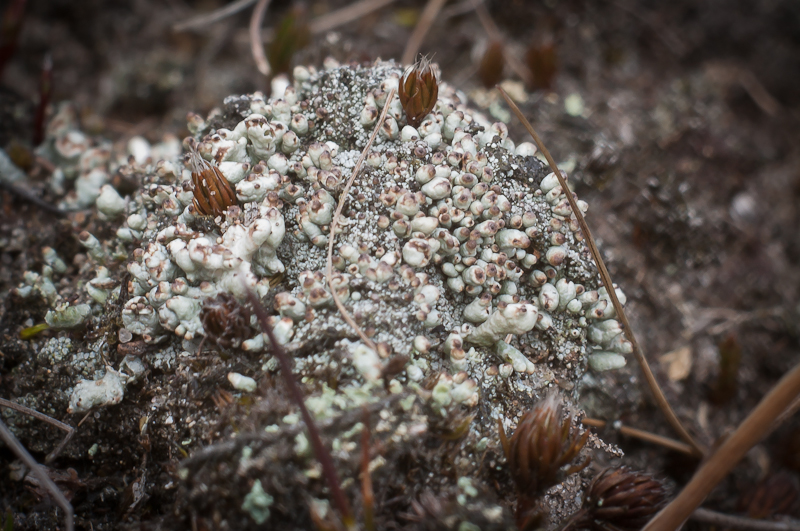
{"points": [[256, 47], [343, 421], [758, 92], [205, 19], [367, 494], [322, 454], [349, 13], [754, 428], [45, 92], [671, 41], [740, 522], [426, 19], [31, 198], [461, 8], [50, 420], [666, 442], [335, 222], [787, 413], [606, 278], [11, 21], [20, 451]]}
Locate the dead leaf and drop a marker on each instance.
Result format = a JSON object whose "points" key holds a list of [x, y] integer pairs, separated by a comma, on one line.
{"points": [[678, 363]]}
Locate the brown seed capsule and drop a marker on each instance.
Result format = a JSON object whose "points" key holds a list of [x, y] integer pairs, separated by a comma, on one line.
{"points": [[213, 193], [225, 321], [542, 62], [490, 70], [543, 443], [778, 493], [418, 91], [620, 498]]}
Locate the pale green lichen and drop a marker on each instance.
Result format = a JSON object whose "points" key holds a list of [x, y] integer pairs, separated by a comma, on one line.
{"points": [[257, 503], [67, 317]]}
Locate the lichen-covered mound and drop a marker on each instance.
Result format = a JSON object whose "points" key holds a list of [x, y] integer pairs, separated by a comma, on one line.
{"points": [[457, 255]]}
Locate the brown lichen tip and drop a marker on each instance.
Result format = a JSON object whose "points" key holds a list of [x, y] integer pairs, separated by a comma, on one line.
{"points": [[620, 498], [543, 443], [418, 91], [213, 193]]}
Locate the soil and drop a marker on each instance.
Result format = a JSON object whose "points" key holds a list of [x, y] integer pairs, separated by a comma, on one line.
{"points": [[678, 122]]}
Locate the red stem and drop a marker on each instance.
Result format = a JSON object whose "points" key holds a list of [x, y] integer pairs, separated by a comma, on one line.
{"points": [[322, 454]]}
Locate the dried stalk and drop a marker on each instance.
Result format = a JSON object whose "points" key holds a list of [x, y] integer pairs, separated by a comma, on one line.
{"points": [[256, 47], [50, 420], [349, 13], [723, 521], [666, 442], [201, 21], [8, 438], [335, 221], [606, 278], [424, 24], [754, 428], [320, 451]]}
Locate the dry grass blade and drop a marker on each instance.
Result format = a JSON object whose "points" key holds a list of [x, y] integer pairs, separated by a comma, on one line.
{"points": [[349, 13], [320, 451], [44, 418], [606, 278], [643, 436], [426, 19], [7, 437], [335, 221], [754, 428], [256, 47], [723, 521], [201, 21]]}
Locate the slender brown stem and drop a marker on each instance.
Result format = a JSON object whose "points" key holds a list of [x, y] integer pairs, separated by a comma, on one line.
{"points": [[346, 14], [723, 521], [424, 24], [666, 442], [11, 441], [658, 394], [335, 222], [754, 428], [256, 46], [31, 198], [44, 418], [366, 481], [205, 19], [320, 451]]}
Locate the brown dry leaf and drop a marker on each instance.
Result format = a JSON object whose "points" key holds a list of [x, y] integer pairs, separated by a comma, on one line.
{"points": [[678, 363]]}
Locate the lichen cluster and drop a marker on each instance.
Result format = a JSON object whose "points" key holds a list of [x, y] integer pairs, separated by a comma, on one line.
{"points": [[456, 253]]}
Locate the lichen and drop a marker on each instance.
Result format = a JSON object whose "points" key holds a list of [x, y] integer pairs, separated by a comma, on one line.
{"points": [[457, 254]]}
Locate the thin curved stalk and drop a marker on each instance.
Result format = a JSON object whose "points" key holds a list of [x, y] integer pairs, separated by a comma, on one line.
{"points": [[754, 428], [658, 394], [335, 221], [256, 46], [11, 441]]}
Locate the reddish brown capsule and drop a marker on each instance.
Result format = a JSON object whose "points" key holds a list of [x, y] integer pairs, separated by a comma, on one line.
{"points": [[225, 321], [542, 62], [538, 453], [620, 498], [541, 446], [490, 70], [213, 193], [418, 91], [778, 493]]}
